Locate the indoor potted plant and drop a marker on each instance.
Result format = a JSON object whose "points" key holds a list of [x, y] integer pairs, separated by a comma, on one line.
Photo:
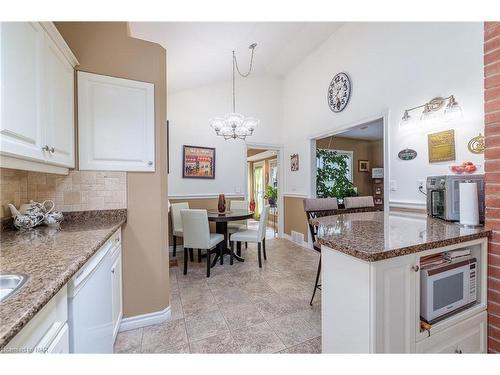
{"points": [[271, 195], [331, 177]]}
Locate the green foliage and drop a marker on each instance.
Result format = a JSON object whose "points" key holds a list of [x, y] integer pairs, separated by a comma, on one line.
{"points": [[271, 193], [331, 178]]}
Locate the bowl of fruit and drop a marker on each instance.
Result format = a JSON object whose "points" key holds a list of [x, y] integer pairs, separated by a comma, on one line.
{"points": [[465, 167]]}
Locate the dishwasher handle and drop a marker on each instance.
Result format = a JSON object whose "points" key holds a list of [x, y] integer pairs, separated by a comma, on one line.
{"points": [[91, 265]]}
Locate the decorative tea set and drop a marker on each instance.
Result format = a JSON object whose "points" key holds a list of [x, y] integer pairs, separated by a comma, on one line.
{"points": [[33, 214]]}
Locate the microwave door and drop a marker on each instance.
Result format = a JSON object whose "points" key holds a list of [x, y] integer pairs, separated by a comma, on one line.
{"points": [[447, 291], [437, 198]]}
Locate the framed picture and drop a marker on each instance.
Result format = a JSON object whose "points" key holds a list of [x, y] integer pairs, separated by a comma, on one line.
{"points": [[363, 166], [378, 201], [198, 162], [441, 146], [378, 190], [294, 162]]}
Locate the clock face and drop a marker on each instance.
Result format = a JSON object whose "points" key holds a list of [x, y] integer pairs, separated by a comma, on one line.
{"points": [[339, 92]]}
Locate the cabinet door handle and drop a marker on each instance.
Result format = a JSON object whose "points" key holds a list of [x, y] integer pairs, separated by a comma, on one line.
{"points": [[45, 148], [150, 163], [112, 270], [415, 268], [52, 149], [458, 351]]}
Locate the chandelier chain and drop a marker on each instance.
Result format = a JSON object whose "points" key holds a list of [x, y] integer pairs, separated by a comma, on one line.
{"points": [[236, 68]]}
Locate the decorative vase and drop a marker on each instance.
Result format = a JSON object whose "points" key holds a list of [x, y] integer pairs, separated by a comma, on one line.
{"points": [[252, 205], [221, 206]]}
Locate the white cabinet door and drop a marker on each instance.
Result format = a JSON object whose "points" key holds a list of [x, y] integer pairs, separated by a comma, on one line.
{"points": [[393, 289], [60, 344], [468, 336], [116, 277], [59, 86], [115, 123], [21, 97]]}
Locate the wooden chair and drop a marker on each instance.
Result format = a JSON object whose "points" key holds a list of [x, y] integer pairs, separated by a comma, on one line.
{"points": [[314, 208]]}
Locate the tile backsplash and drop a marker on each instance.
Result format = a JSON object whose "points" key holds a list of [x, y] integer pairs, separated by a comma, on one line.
{"points": [[78, 191]]}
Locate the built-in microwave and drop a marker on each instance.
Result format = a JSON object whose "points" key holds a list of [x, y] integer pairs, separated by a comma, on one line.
{"points": [[447, 288]]}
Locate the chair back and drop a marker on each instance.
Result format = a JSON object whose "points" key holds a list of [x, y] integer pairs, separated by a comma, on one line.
{"points": [[319, 207], [263, 222], [238, 205], [196, 229], [175, 210], [358, 202]]}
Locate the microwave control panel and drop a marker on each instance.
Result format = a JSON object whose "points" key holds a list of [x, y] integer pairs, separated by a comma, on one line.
{"points": [[472, 282]]}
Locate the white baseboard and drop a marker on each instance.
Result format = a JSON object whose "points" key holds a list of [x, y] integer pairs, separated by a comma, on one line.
{"points": [[144, 320], [304, 243]]}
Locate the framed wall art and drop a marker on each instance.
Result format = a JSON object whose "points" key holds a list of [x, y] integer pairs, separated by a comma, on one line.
{"points": [[198, 162], [441, 146], [363, 165], [294, 162]]}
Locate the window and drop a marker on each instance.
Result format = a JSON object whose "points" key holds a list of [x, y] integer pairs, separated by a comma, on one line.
{"points": [[349, 154], [273, 173]]}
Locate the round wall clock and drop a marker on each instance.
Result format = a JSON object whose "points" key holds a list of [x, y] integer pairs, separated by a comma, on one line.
{"points": [[339, 92]]}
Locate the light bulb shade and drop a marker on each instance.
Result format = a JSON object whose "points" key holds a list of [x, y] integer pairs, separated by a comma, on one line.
{"points": [[234, 125], [453, 111]]}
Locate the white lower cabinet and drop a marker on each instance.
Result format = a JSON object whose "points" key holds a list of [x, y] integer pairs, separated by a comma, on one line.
{"points": [[47, 331], [116, 286], [468, 336]]}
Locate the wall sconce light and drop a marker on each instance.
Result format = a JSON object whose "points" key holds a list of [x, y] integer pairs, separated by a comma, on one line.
{"points": [[453, 111]]}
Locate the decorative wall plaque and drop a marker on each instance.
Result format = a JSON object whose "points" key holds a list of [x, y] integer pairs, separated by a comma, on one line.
{"points": [[476, 144], [294, 162], [441, 146], [407, 154]]}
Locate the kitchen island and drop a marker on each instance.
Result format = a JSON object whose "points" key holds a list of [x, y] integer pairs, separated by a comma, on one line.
{"points": [[371, 284]]}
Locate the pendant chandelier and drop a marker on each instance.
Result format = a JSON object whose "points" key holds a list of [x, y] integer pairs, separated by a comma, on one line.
{"points": [[235, 125]]}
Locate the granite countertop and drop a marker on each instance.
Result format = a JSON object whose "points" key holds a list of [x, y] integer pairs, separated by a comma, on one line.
{"points": [[374, 236], [49, 257]]}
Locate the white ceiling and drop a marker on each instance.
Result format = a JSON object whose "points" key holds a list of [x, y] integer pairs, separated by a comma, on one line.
{"points": [[369, 131], [199, 53]]}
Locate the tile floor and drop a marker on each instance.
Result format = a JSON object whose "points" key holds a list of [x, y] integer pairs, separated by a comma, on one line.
{"points": [[240, 308]]}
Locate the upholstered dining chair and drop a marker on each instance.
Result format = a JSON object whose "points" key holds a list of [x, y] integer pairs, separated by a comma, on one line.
{"points": [[197, 235], [358, 202], [175, 212], [314, 208], [234, 226], [254, 236]]}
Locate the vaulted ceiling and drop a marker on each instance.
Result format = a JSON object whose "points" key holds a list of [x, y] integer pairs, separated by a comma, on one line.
{"points": [[199, 53]]}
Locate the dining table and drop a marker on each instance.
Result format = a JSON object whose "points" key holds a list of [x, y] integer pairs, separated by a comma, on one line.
{"points": [[221, 219]]}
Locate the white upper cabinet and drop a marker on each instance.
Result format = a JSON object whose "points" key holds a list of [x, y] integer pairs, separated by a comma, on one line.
{"points": [[37, 94], [115, 124], [60, 102], [21, 90]]}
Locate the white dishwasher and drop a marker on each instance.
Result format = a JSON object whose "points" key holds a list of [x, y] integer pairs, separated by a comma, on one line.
{"points": [[89, 305]]}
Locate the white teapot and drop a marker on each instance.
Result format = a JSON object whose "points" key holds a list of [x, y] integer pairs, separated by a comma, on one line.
{"points": [[31, 214]]}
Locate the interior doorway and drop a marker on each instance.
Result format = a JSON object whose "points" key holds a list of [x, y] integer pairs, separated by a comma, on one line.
{"points": [[351, 161], [263, 186]]}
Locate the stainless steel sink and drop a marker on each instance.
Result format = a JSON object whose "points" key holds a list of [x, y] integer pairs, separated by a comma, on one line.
{"points": [[10, 284]]}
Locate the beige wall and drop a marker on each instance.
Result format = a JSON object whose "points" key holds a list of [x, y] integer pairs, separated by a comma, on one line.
{"points": [[78, 191], [295, 217], [105, 48], [362, 150]]}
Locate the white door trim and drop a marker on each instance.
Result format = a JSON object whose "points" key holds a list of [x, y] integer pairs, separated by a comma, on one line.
{"points": [[280, 148], [385, 116]]}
